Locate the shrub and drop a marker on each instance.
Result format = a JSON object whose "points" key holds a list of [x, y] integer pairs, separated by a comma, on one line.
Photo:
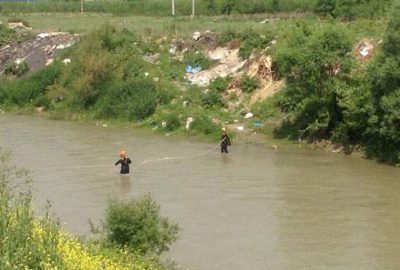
{"points": [[165, 92], [228, 35], [6, 35], [138, 225], [220, 84], [31, 89], [227, 6], [251, 40], [248, 84], [134, 100], [172, 121], [195, 59], [205, 125], [212, 99]]}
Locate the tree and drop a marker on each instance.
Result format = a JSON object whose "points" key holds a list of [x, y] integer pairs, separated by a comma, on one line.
{"points": [[326, 7], [227, 7], [138, 225], [383, 134], [314, 71]]}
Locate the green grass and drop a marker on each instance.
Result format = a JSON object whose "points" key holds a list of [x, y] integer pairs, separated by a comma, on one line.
{"points": [[185, 26], [154, 26]]}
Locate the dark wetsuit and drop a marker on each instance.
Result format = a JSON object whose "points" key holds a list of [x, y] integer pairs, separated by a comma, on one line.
{"points": [[224, 143], [124, 165]]}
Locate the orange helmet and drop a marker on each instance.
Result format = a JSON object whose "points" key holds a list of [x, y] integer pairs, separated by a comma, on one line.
{"points": [[122, 153]]}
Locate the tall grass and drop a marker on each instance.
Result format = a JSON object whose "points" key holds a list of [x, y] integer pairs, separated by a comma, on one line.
{"points": [[158, 7]]}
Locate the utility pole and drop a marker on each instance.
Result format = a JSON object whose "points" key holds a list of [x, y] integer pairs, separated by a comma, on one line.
{"points": [[193, 8], [173, 7]]}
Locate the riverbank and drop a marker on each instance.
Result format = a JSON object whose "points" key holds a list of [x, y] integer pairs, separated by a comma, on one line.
{"points": [[197, 83]]}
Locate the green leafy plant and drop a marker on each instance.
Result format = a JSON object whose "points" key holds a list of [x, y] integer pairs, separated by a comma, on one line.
{"points": [[137, 224], [173, 121], [220, 84], [212, 99], [197, 59], [248, 84]]}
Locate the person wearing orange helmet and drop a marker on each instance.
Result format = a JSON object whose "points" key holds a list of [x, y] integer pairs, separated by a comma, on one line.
{"points": [[225, 141], [124, 161]]}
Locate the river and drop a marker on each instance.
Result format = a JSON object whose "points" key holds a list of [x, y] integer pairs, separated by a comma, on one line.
{"points": [[255, 208]]}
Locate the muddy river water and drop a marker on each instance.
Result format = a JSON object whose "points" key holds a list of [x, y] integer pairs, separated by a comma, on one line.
{"points": [[255, 208]]}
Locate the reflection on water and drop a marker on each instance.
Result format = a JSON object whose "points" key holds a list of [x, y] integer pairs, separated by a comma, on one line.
{"points": [[254, 208], [125, 185]]}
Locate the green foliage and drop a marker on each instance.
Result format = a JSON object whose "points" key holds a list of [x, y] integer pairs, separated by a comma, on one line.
{"points": [[203, 124], [269, 107], [195, 59], [315, 71], [6, 35], [134, 100], [343, 8], [383, 133], [227, 6], [173, 121], [138, 225], [212, 99], [251, 40], [326, 7], [248, 84], [228, 35], [351, 9], [32, 90], [210, 6], [17, 69], [166, 92], [18, 246], [220, 84]]}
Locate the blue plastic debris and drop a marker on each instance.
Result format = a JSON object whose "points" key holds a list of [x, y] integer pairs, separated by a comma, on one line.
{"points": [[193, 69]]}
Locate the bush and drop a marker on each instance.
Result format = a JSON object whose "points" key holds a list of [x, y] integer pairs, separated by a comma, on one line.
{"points": [[134, 100], [205, 125], [172, 121], [220, 84], [251, 40], [248, 84], [227, 35], [165, 92], [31, 89], [195, 59], [6, 35], [138, 225], [227, 6], [212, 99]]}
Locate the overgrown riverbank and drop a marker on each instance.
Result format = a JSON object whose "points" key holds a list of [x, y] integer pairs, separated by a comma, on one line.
{"points": [[302, 78]]}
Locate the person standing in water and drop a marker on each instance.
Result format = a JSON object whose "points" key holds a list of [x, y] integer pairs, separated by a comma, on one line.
{"points": [[124, 161], [225, 141]]}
